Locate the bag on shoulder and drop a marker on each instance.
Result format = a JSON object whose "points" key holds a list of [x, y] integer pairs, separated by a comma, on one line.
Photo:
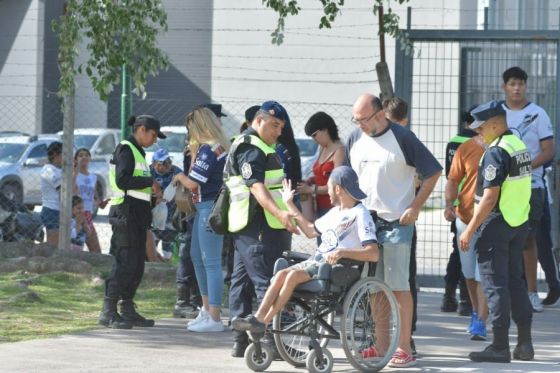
{"points": [[183, 200], [218, 218]]}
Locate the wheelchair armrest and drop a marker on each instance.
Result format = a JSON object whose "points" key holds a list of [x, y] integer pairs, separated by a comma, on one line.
{"points": [[295, 256], [350, 262], [324, 272], [280, 264]]}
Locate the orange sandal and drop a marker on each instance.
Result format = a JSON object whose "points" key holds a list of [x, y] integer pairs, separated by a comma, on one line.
{"points": [[401, 359]]}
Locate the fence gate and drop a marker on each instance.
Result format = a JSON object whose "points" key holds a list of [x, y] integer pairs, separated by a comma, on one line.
{"points": [[450, 71]]}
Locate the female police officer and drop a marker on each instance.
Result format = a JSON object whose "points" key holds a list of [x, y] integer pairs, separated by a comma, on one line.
{"points": [[130, 217]]}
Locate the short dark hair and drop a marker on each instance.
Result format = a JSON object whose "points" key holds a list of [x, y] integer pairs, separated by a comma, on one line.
{"points": [[319, 121], [396, 108], [514, 73], [54, 149], [76, 200], [81, 150]]}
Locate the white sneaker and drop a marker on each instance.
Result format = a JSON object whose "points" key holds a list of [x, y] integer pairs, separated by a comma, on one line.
{"points": [[536, 302], [202, 315], [207, 325]]}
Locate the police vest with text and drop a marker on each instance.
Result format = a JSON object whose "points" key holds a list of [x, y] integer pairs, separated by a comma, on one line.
{"points": [[515, 191], [240, 194], [141, 168]]}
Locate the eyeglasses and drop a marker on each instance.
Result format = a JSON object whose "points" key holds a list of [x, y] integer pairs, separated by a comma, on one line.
{"points": [[164, 163], [365, 120], [314, 134]]}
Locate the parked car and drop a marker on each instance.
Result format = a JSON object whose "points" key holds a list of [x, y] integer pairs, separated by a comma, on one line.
{"points": [[21, 160], [174, 143], [101, 142], [309, 152]]}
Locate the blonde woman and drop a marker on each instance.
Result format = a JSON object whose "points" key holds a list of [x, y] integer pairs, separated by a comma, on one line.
{"points": [[209, 146]]}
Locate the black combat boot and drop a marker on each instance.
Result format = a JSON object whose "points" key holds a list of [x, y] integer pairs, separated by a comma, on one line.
{"points": [[109, 316], [128, 313], [183, 307], [240, 343], [449, 302], [497, 352], [524, 349]]}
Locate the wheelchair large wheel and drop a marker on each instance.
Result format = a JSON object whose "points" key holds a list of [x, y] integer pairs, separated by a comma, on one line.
{"points": [[370, 325], [294, 319], [258, 363]]}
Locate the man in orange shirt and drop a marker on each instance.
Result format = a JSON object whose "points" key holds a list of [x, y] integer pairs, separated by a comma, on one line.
{"points": [[461, 184]]}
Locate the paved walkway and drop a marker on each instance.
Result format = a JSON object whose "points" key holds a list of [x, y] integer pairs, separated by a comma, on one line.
{"points": [[441, 342]]}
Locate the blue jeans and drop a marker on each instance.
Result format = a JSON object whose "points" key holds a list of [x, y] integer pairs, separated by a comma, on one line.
{"points": [[206, 255]]}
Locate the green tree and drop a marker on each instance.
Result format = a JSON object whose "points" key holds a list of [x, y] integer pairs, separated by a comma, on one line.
{"points": [[331, 9], [117, 32]]}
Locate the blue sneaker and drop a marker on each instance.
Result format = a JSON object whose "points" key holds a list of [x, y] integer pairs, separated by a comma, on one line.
{"points": [[478, 332], [474, 317]]}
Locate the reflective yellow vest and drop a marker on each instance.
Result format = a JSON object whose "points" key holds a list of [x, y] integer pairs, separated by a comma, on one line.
{"points": [[515, 191], [240, 194], [141, 168]]}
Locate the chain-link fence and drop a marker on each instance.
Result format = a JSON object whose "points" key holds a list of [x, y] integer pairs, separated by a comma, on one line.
{"points": [[21, 168]]}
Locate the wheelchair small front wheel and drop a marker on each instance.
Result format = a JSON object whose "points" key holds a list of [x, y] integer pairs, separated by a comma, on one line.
{"points": [[258, 362], [324, 365]]}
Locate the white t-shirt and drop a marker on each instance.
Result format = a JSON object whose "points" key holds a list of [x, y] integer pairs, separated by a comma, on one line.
{"points": [[386, 165], [86, 186], [51, 178], [345, 229], [532, 125]]}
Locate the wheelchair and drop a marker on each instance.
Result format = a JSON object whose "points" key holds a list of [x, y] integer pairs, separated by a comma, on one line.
{"points": [[368, 326]]}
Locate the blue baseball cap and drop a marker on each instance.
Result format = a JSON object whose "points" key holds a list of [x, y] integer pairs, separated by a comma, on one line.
{"points": [[161, 155], [347, 178], [274, 109], [486, 111]]}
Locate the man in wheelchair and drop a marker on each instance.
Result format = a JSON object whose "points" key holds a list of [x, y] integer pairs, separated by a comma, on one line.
{"points": [[347, 231]]}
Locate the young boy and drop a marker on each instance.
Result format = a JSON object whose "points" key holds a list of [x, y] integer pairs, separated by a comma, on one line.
{"points": [[347, 231]]}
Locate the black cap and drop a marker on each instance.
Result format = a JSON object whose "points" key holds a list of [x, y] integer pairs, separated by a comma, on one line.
{"points": [[486, 111], [150, 123], [216, 109]]}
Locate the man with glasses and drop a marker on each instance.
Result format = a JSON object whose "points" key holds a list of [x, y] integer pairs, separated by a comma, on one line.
{"points": [[386, 156]]}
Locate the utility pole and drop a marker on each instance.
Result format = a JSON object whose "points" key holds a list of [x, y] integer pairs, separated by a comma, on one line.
{"points": [[126, 97]]}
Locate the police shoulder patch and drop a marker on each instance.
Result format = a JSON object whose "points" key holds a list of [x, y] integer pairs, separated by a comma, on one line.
{"points": [[246, 170], [490, 173]]}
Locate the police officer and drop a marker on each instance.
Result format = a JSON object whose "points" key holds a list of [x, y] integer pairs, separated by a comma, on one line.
{"points": [[130, 218], [500, 221], [258, 218]]}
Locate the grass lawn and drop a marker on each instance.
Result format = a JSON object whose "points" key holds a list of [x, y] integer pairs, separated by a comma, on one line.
{"points": [[67, 303]]}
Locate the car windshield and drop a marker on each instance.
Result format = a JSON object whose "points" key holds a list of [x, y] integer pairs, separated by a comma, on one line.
{"points": [[84, 141], [10, 153], [174, 143], [307, 147]]}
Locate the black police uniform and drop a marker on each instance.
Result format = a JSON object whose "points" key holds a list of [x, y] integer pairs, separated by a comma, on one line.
{"points": [[130, 222], [257, 246], [499, 250]]}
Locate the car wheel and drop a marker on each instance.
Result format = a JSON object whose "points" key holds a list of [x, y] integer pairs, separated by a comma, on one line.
{"points": [[13, 191]]}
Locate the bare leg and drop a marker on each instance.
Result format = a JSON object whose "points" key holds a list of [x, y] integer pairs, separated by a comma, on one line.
{"points": [[271, 294], [530, 258], [380, 310], [293, 279], [92, 242], [52, 237], [404, 299], [471, 287], [151, 253]]}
